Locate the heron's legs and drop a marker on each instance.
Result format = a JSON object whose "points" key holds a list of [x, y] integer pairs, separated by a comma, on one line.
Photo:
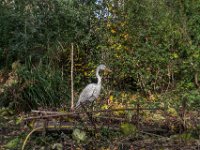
{"points": [[92, 106], [89, 116]]}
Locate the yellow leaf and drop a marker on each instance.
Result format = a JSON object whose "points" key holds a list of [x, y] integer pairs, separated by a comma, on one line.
{"points": [[118, 106], [104, 107], [119, 46], [123, 24], [175, 55], [111, 98], [126, 36], [108, 25], [157, 117], [113, 31], [152, 97], [172, 111]]}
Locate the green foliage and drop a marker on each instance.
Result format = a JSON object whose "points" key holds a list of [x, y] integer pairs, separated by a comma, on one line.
{"points": [[6, 112], [38, 34], [13, 144], [151, 46], [186, 137], [191, 99]]}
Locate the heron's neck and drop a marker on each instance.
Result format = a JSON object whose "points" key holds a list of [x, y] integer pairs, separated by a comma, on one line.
{"points": [[98, 77]]}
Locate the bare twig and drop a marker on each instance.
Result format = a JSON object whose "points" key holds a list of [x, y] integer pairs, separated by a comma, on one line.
{"points": [[72, 79], [152, 134], [156, 79], [27, 137], [169, 77], [196, 80]]}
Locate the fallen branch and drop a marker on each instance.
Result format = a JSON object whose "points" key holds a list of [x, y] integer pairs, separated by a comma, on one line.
{"points": [[152, 134], [50, 116], [75, 114]]}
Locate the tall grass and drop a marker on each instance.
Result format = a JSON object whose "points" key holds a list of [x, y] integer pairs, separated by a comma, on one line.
{"points": [[37, 86]]}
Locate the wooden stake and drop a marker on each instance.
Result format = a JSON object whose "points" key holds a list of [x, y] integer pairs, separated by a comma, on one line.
{"points": [[72, 79]]}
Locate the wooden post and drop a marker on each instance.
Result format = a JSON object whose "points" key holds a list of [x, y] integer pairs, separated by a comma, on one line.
{"points": [[72, 77]]}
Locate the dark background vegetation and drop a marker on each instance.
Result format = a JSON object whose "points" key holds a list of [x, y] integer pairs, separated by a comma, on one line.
{"points": [[151, 46]]}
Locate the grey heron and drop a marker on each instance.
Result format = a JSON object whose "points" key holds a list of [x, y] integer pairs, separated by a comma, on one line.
{"points": [[91, 91]]}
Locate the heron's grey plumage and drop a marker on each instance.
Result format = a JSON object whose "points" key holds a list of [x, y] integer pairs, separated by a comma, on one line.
{"points": [[91, 91]]}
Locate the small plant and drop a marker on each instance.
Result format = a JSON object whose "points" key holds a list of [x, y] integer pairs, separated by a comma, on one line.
{"points": [[79, 135], [127, 129]]}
